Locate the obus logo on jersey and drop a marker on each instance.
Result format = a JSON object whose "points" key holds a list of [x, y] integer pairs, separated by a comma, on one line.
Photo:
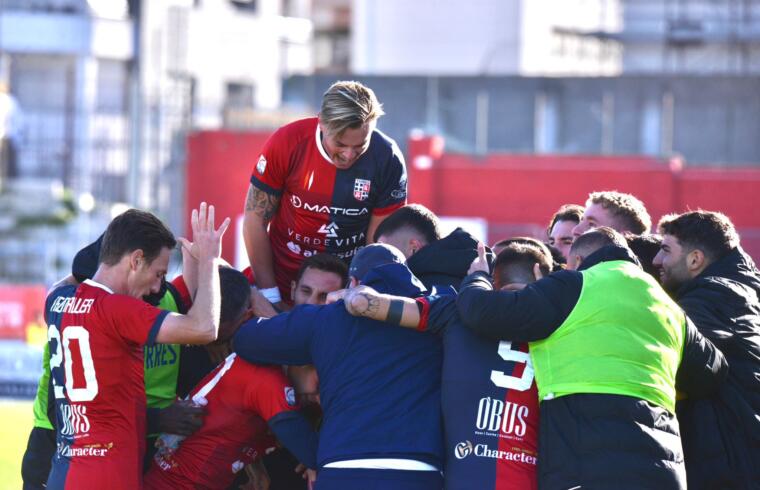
{"points": [[361, 189], [261, 165], [75, 420], [463, 449]]}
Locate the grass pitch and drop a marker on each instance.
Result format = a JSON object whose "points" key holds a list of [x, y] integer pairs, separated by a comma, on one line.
{"points": [[17, 421]]}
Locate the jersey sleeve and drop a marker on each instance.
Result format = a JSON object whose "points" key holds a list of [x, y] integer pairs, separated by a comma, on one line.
{"points": [[133, 320], [271, 167], [269, 392], [437, 313], [392, 193]]}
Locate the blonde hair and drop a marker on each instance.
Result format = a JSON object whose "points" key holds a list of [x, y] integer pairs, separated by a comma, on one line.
{"points": [[348, 104], [630, 212]]}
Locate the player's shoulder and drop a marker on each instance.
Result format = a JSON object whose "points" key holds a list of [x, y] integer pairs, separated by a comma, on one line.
{"points": [[64, 291], [295, 132], [249, 368], [384, 148]]}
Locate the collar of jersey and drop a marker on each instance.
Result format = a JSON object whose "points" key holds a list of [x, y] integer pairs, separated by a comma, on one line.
{"points": [[320, 147], [94, 284]]}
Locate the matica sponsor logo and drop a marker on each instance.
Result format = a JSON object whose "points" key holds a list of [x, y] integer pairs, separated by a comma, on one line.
{"points": [[464, 449], [497, 416], [299, 203]]}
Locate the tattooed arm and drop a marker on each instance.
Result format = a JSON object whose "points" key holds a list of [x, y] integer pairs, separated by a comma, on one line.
{"points": [[365, 301], [260, 207]]}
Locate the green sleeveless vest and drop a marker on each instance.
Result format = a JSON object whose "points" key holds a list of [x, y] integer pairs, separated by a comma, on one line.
{"points": [[625, 336], [162, 365], [41, 399]]}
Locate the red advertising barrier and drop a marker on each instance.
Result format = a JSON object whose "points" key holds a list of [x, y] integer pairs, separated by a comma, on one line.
{"points": [[516, 194], [20, 307]]}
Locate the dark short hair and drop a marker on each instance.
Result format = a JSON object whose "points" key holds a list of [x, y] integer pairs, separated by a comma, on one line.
{"points": [[515, 263], [324, 262], [566, 212], [593, 240], [414, 216], [236, 292], [709, 231], [627, 208], [135, 230], [645, 247], [558, 260]]}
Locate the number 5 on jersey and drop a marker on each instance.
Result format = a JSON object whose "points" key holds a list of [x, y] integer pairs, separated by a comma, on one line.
{"points": [[513, 382], [62, 353]]}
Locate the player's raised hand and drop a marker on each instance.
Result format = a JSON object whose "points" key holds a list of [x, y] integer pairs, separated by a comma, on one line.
{"points": [[480, 263], [205, 236]]}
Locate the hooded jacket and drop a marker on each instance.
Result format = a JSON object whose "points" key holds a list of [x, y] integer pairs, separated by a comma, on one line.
{"points": [[446, 261], [593, 440], [380, 387], [721, 434]]}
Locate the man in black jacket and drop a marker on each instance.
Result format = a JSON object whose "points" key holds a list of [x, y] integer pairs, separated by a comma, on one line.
{"points": [[436, 261], [717, 284]]}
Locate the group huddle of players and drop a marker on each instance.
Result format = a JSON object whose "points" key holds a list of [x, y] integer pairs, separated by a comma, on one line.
{"points": [[560, 362]]}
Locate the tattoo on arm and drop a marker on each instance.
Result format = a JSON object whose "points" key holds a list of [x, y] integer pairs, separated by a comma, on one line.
{"points": [[262, 203], [369, 307], [395, 310]]}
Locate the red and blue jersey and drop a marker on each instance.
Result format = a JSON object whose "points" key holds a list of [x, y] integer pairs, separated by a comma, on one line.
{"points": [[323, 209], [490, 405], [96, 341], [241, 398]]}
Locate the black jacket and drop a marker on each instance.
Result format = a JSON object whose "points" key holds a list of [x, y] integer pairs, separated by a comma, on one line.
{"points": [[445, 262], [721, 434], [597, 441]]}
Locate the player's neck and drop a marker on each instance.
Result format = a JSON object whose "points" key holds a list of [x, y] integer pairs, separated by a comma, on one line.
{"points": [[111, 277]]}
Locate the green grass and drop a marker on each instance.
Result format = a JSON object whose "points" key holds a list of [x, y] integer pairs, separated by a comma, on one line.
{"points": [[17, 420]]}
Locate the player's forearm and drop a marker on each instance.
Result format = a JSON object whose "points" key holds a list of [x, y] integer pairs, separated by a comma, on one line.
{"points": [[397, 310], [206, 308], [259, 250]]}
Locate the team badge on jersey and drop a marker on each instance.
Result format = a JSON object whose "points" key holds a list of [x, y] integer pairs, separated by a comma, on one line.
{"points": [[261, 165], [361, 189], [290, 396]]}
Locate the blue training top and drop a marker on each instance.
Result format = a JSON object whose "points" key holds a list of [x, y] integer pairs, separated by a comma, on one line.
{"points": [[380, 385]]}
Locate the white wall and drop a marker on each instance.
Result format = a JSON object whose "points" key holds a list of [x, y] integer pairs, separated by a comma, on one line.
{"points": [[442, 37]]}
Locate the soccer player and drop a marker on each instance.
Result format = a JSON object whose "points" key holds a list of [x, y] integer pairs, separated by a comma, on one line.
{"points": [[325, 183], [242, 402], [560, 230], [96, 334], [617, 210], [489, 395], [379, 386]]}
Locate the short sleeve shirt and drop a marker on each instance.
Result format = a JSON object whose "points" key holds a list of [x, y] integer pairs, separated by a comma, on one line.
{"points": [[323, 209]]}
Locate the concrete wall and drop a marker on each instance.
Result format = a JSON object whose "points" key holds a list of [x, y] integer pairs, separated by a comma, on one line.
{"points": [[707, 120]]}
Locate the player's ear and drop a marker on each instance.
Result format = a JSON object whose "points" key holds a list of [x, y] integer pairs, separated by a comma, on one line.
{"points": [[136, 258]]}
